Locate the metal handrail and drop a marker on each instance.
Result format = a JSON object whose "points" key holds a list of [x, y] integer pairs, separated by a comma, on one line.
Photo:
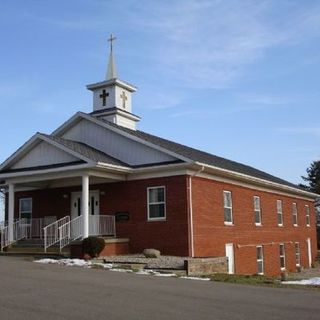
{"points": [[51, 232], [70, 231]]}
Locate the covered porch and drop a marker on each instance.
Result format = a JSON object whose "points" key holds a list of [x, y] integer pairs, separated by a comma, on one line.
{"points": [[73, 212]]}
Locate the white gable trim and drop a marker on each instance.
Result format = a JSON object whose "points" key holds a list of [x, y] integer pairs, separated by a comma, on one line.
{"points": [[33, 142], [73, 120]]}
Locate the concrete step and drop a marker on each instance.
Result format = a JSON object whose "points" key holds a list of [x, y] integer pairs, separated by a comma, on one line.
{"points": [[33, 249]]}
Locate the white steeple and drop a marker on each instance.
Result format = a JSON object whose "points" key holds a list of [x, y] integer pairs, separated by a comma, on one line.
{"points": [[112, 70], [112, 97]]}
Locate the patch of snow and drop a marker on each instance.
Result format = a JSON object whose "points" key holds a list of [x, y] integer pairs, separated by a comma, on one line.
{"points": [[74, 263], [120, 270], [196, 278], [311, 281], [151, 272], [66, 262]]}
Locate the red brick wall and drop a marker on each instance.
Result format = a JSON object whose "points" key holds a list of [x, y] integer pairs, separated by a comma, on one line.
{"points": [[169, 236], [211, 235]]}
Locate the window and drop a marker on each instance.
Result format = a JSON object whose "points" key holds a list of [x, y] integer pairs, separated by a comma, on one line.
{"points": [[294, 214], [257, 210], [279, 212], [25, 208], [227, 204], [307, 215], [297, 250], [156, 203], [282, 257], [259, 260]]}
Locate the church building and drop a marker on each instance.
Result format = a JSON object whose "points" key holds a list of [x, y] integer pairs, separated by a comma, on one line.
{"points": [[97, 174]]}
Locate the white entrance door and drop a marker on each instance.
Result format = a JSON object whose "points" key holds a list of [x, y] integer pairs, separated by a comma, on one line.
{"points": [[309, 252], [230, 256], [76, 198]]}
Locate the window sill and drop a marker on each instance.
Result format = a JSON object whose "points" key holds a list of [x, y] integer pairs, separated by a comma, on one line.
{"points": [[229, 224], [308, 225], [258, 225], [295, 225], [156, 219], [280, 225]]}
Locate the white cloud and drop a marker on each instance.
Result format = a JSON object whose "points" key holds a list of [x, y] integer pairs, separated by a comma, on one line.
{"points": [[267, 99], [209, 43], [315, 131]]}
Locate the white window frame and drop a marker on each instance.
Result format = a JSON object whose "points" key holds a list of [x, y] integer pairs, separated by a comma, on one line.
{"points": [[257, 210], [20, 211], [228, 223], [307, 208], [280, 212], [295, 214], [282, 256], [160, 202], [260, 260], [297, 254]]}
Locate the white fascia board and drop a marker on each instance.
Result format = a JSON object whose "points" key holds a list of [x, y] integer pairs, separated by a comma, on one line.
{"points": [[260, 181], [114, 167], [66, 170]]}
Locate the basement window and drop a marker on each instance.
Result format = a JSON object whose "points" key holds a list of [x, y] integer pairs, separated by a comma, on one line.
{"points": [[25, 208], [156, 203], [259, 260], [297, 252], [282, 256]]}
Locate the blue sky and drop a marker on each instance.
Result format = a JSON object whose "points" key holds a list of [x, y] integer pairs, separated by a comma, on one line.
{"points": [[239, 79]]}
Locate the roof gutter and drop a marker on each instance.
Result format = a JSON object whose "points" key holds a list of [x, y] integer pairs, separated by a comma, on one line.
{"points": [[259, 181]]}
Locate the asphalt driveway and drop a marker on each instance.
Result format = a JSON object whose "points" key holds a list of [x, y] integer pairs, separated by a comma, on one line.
{"points": [[34, 291]]}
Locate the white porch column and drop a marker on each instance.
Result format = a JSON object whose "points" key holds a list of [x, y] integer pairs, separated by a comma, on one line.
{"points": [[11, 210], [85, 205]]}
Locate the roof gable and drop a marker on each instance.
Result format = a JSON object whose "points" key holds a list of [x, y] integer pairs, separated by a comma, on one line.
{"points": [[115, 143], [40, 151], [43, 154]]}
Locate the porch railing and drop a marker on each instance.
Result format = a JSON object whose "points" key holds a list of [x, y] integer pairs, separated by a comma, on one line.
{"points": [[102, 225], [51, 232], [11, 233]]}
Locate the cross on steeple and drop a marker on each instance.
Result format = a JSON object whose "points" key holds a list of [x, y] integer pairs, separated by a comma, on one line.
{"points": [[111, 39], [124, 99], [104, 96]]}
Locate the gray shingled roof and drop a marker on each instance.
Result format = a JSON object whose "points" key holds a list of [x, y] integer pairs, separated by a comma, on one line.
{"points": [[203, 157], [87, 151]]}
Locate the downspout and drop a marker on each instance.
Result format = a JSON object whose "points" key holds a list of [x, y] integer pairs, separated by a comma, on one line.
{"points": [[191, 209]]}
